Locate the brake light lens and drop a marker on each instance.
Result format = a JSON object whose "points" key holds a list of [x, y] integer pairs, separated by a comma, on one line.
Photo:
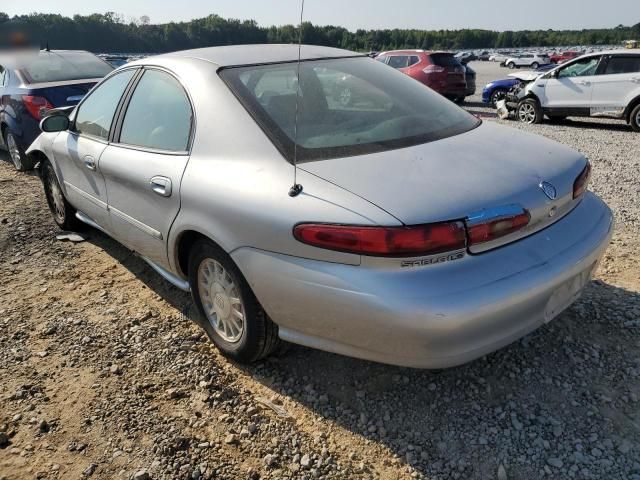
{"points": [[36, 106], [384, 241], [434, 69], [495, 228], [582, 182]]}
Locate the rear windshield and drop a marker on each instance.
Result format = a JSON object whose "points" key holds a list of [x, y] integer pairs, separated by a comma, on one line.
{"points": [[64, 66], [347, 107], [444, 60]]}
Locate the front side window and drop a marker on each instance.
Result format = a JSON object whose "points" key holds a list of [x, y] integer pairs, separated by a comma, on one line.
{"points": [[95, 114], [626, 64], [580, 68], [346, 107], [159, 114]]}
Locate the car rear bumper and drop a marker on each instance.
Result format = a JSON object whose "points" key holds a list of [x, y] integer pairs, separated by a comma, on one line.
{"points": [[436, 316]]}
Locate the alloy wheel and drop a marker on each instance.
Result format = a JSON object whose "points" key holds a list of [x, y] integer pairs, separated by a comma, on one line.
{"points": [[14, 152], [221, 300], [57, 198], [527, 113], [638, 118]]}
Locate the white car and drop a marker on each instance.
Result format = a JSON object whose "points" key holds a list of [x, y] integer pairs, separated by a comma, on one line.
{"points": [[532, 60], [603, 84]]}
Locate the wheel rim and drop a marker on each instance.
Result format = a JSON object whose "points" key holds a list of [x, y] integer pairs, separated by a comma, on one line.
{"points": [[221, 300], [345, 97], [638, 119], [527, 113], [55, 193], [497, 96], [14, 151]]}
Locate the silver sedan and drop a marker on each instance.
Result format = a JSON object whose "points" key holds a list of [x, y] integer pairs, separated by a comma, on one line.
{"points": [[395, 227]]}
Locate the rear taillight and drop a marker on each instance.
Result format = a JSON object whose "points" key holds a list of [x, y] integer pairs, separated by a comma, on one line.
{"points": [[486, 230], [385, 241], [36, 106], [582, 182], [434, 69]]}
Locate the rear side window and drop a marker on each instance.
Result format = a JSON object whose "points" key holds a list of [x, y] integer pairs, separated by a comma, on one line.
{"points": [[444, 60], [398, 61], [95, 114], [64, 66], [628, 64], [159, 114]]}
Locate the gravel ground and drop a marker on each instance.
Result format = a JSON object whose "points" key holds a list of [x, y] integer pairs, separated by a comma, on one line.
{"points": [[105, 374]]}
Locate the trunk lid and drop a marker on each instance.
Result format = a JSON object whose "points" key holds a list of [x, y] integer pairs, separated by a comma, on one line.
{"points": [[476, 172], [63, 95]]}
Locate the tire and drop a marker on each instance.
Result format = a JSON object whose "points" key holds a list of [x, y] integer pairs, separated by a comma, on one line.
{"points": [[529, 111], [496, 96], [634, 119], [245, 334], [535, 65], [511, 65], [63, 213], [17, 155]]}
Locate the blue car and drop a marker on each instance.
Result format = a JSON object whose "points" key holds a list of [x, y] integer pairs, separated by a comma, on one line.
{"points": [[496, 91], [33, 83]]}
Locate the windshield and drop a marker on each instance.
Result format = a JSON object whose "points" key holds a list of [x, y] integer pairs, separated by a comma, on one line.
{"points": [[64, 66], [349, 106]]}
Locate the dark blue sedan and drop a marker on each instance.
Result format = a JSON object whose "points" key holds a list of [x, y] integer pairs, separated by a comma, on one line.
{"points": [[33, 83], [496, 91]]}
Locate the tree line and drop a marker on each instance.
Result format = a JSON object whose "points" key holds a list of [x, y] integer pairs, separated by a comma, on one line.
{"points": [[111, 32]]}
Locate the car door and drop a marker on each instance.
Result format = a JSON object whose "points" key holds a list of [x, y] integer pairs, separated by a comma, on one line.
{"points": [[3, 77], [611, 90], [143, 166], [77, 152], [570, 88]]}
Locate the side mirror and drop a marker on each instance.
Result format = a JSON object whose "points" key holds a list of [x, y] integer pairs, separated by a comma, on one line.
{"points": [[55, 123]]}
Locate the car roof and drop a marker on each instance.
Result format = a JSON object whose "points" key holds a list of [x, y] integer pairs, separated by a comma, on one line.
{"points": [[620, 51], [237, 55]]}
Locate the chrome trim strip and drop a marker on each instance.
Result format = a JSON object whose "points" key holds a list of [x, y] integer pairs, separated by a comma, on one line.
{"points": [[136, 223], [168, 276], [495, 213], [86, 196]]}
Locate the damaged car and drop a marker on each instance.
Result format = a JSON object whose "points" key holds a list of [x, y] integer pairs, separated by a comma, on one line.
{"points": [[604, 84]]}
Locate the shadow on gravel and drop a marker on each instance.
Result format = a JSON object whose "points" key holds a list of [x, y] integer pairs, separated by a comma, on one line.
{"points": [[554, 393], [557, 394]]}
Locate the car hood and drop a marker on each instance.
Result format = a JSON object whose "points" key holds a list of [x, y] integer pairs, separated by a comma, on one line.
{"points": [[525, 76], [488, 167]]}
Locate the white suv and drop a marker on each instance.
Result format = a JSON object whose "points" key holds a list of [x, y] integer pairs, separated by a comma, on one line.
{"points": [[604, 84], [532, 60]]}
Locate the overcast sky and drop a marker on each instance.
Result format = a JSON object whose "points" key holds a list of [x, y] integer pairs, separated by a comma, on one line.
{"points": [[353, 14]]}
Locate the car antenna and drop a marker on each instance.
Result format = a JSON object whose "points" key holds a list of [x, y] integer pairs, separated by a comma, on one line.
{"points": [[296, 188]]}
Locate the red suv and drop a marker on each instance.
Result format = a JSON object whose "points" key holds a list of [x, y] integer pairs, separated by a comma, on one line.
{"points": [[564, 57], [437, 70]]}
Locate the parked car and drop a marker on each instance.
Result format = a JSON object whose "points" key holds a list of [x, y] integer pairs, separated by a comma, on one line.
{"points": [[530, 60], [563, 57], [465, 57], [499, 57], [606, 84], [40, 82], [495, 91], [484, 56], [437, 70], [417, 234], [470, 78]]}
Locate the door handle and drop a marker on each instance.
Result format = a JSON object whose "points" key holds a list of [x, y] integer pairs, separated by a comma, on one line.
{"points": [[90, 163], [584, 83], [161, 186]]}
